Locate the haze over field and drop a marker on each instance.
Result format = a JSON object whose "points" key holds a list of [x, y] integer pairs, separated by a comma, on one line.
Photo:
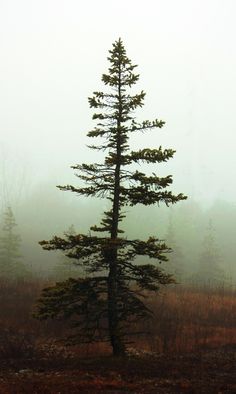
{"points": [[53, 54]]}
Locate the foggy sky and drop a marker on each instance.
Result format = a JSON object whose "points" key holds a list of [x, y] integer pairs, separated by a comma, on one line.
{"points": [[53, 53]]}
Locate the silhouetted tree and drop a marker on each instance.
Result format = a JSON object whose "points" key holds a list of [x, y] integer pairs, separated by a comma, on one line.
{"points": [[175, 265], [106, 302], [65, 267], [11, 265], [209, 271]]}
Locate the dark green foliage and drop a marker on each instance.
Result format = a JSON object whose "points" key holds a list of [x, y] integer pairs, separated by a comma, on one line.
{"points": [[109, 298]]}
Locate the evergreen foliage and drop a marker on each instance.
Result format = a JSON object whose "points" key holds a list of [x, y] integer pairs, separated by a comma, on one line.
{"points": [[11, 265], [175, 264], [209, 272], [105, 303], [65, 267]]}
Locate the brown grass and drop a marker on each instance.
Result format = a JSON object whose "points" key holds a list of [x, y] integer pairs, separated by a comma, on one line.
{"points": [[186, 319]]}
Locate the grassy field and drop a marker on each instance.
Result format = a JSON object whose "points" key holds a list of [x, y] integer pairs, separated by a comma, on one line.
{"points": [[190, 347]]}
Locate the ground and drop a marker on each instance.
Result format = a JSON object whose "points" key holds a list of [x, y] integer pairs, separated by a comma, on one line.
{"points": [[212, 371], [190, 348]]}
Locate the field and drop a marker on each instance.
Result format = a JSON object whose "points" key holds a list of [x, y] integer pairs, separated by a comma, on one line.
{"points": [[190, 347]]}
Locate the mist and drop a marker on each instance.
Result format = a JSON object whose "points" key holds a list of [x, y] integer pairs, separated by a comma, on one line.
{"points": [[112, 277], [52, 57]]}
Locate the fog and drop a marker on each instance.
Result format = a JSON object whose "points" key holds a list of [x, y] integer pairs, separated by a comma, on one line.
{"points": [[52, 56]]}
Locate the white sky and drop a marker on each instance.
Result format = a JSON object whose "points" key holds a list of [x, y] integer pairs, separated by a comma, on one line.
{"points": [[53, 53]]}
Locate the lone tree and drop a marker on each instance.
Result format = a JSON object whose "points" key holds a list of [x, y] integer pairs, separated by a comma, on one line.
{"points": [[105, 303]]}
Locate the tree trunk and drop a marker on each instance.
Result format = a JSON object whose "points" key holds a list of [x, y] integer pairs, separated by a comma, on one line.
{"points": [[117, 343]]}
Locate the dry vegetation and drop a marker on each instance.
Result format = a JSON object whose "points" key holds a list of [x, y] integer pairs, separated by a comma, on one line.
{"points": [[190, 347], [188, 319]]}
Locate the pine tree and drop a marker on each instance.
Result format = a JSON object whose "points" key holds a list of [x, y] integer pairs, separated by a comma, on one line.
{"points": [[105, 304], [11, 265], [65, 267], [209, 271], [175, 263]]}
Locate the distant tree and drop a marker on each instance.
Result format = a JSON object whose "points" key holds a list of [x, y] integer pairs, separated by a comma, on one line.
{"points": [[65, 267], [175, 265], [209, 271], [11, 265], [109, 299]]}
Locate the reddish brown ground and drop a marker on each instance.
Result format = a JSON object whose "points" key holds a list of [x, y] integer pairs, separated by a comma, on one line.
{"points": [[191, 348], [208, 372]]}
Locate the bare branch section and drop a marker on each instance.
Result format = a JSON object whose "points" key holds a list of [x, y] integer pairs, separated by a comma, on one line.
{"points": [[105, 303]]}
